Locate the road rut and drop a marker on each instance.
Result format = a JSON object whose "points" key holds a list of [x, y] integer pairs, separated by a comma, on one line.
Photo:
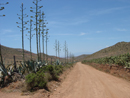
{"points": [[87, 82]]}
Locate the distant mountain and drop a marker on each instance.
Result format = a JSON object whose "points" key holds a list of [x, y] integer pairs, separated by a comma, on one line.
{"points": [[117, 49], [81, 57]]}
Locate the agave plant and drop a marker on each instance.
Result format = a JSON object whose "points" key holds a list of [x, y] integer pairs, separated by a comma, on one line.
{"points": [[3, 69], [3, 73]]}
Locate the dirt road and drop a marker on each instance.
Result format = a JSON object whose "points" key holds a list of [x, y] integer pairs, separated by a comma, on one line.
{"points": [[86, 82]]}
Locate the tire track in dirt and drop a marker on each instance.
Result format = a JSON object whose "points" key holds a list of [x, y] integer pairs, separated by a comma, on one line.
{"points": [[86, 82]]}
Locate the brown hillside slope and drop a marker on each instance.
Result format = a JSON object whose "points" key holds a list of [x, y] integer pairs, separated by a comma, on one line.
{"points": [[81, 57], [8, 54], [117, 49]]}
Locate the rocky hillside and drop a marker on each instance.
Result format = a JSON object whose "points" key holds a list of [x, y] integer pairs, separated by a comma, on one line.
{"points": [[117, 49]]}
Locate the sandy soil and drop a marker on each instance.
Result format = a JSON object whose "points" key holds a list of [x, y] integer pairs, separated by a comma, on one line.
{"points": [[118, 71], [82, 81], [86, 82], [14, 90]]}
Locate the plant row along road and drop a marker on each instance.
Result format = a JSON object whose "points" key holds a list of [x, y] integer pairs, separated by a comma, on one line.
{"points": [[121, 60]]}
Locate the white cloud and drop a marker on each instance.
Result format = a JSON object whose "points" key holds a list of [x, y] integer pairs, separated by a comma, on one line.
{"points": [[14, 35], [90, 38], [66, 22], [54, 22], [7, 31], [78, 22], [121, 29], [4, 31], [107, 46], [106, 11], [62, 34], [98, 31], [82, 33], [68, 34]]}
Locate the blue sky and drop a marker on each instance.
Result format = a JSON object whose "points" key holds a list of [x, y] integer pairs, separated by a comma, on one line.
{"points": [[86, 25]]}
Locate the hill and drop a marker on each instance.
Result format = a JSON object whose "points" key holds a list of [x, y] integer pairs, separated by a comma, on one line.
{"points": [[81, 57], [117, 49], [8, 53]]}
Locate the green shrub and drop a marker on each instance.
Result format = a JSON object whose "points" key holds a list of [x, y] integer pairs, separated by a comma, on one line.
{"points": [[36, 80], [40, 80], [59, 69], [53, 72], [48, 76], [45, 74], [30, 78]]}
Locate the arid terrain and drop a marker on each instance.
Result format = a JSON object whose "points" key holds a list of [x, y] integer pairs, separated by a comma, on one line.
{"points": [[8, 54], [64, 49], [83, 81], [117, 49], [86, 82]]}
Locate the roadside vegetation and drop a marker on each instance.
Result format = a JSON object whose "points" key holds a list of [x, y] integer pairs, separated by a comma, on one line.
{"points": [[44, 75], [121, 60], [39, 70], [115, 65], [115, 50]]}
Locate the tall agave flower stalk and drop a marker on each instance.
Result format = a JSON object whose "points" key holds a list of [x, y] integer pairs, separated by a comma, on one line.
{"points": [[30, 38], [43, 34], [21, 17], [36, 20], [2, 8], [46, 44]]}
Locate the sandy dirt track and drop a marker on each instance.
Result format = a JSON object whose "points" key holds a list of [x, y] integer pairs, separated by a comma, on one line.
{"points": [[86, 82]]}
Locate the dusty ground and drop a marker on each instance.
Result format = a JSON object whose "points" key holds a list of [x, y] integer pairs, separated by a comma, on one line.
{"points": [[86, 82], [119, 71], [82, 81], [14, 90]]}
